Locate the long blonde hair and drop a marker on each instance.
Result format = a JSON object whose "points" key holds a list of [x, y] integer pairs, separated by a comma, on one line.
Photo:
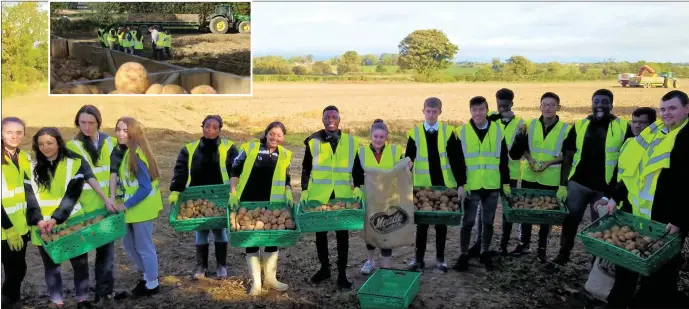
{"points": [[137, 139]]}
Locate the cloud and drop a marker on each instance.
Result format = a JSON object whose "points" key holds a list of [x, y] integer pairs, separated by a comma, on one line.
{"points": [[625, 31]]}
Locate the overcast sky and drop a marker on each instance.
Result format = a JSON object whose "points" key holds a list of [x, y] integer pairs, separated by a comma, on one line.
{"points": [[567, 32]]}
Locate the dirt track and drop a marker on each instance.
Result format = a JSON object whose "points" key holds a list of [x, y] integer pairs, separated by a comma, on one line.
{"points": [[171, 122]]}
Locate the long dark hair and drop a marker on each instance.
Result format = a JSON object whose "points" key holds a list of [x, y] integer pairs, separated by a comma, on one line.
{"points": [[85, 140], [42, 172], [272, 125], [5, 121]]}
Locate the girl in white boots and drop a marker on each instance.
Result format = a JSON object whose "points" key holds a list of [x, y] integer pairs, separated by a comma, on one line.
{"points": [[260, 173]]}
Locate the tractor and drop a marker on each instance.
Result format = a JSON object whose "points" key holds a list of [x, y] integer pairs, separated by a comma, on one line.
{"points": [[663, 79], [225, 18]]}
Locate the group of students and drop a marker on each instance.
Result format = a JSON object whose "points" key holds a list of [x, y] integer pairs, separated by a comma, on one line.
{"points": [[131, 41], [64, 178], [480, 159]]}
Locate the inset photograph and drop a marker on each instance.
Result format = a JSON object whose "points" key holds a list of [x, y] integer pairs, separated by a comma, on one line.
{"points": [[152, 48]]}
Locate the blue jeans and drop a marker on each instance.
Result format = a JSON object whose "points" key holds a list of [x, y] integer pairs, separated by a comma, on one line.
{"points": [[53, 276], [219, 235], [138, 243]]}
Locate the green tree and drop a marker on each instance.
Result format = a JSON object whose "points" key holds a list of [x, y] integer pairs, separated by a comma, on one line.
{"points": [[300, 70], [370, 59], [321, 68], [426, 52], [272, 65], [350, 62], [380, 69], [24, 47], [334, 60], [553, 68], [496, 64], [520, 66]]}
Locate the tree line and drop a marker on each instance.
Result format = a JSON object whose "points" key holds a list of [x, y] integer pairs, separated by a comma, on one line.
{"points": [[24, 47], [427, 55]]}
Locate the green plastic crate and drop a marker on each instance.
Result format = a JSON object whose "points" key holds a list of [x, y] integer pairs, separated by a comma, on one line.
{"points": [[438, 217], [389, 289], [107, 230], [624, 258], [218, 194], [533, 216], [282, 238], [335, 220]]}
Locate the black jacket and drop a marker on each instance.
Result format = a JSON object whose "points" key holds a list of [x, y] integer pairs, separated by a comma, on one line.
{"points": [[68, 201], [205, 165], [667, 205], [454, 155], [307, 164], [590, 171], [260, 182]]}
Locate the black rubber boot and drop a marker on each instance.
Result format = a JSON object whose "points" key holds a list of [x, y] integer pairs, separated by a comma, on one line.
{"points": [[201, 261], [462, 263], [320, 276], [221, 259]]}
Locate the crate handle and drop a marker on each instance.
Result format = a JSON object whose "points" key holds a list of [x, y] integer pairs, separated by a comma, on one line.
{"points": [[400, 273]]}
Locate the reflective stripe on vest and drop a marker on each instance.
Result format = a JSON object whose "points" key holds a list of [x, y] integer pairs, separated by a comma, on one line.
{"points": [[613, 142], [102, 172], [388, 159], [223, 148], [511, 130], [332, 171], [545, 149], [421, 170], [482, 158], [161, 40], [150, 207], [139, 43], [13, 196], [279, 181]]}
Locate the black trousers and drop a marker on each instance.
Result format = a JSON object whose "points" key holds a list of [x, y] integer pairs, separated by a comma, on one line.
{"points": [[14, 266], [656, 291], [342, 250], [525, 229], [422, 239]]}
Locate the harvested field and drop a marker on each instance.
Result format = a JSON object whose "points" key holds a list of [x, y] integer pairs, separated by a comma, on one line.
{"points": [[221, 52], [171, 122]]}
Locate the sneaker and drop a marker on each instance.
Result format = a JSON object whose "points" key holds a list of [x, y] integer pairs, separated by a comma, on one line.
{"points": [[475, 250], [541, 255], [222, 272], [343, 283], [200, 273], [487, 261], [559, 260], [414, 266], [368, 267], [440, 268], [462, 263], [521, 249], [84, 304], [320, 276]]}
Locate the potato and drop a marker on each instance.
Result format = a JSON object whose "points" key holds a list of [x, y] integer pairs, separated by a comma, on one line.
{"points": [[203, 89], [614, 228], [290, 224], [55, 237], [61, 91], [80, 89], [122, 92], [132, 76], [46, 238], [154, 89], [630, 235], [172, 89], [630, 247]]}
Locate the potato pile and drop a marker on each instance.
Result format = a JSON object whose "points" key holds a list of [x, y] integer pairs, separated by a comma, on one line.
{"points": [[626, 238], [436, 200], [62, 231], [534, 202], [72, 70], [339, 205], [261, 219], [131, 78], [199, 209]]}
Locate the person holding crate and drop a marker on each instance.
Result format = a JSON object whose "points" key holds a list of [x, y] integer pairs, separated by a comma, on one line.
{"points": [[433, 148], [485, 155], [382, 155], [590, 151], [652, 168], [542, 148], [260, 173], [510, 124], [203, 163], [96, 147], [326, 174], [58, 180], [17, 193], [137, 171]]}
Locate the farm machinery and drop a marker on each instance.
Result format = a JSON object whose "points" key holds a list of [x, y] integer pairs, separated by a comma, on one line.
{"points": [[648, 78], [223, 19]]}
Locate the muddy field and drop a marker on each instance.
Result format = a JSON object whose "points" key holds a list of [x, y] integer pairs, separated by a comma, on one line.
{"points": [[171, 122], [221, 52]]}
